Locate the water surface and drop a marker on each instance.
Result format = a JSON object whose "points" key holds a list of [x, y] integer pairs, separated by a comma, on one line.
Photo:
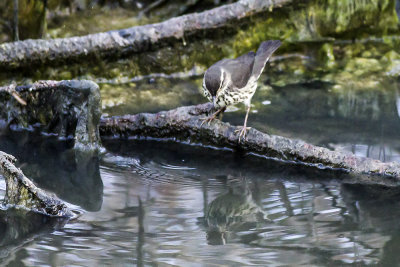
{"points": [[161, 203]]}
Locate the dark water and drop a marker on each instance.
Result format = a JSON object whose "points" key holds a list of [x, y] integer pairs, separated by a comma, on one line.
{"points": [[151, 203]]}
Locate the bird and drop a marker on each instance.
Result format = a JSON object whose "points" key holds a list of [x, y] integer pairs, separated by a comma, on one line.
{"points": [[232, 81]]}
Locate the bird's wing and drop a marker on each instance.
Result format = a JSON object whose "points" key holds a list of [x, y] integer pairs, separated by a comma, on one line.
{"points": [[264, 52], [240, 69]]}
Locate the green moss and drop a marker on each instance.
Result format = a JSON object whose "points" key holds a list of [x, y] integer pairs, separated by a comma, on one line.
{"points": [[96, 20], [360, 66], [321, 19], [326, 55]]}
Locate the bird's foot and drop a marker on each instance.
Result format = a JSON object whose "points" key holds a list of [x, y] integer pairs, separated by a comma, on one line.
{"points": [[207, 120], [212, 117], [242, 132]]}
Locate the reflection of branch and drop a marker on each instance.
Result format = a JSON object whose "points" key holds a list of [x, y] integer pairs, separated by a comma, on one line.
{"points": [[139, 248], [284, 197], [184, 124], [205, 195]]}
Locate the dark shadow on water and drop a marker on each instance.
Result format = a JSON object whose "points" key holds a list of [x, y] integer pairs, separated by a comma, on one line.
{"points": [[218, 163], [373, 207], [18, 227], [54, 166]]}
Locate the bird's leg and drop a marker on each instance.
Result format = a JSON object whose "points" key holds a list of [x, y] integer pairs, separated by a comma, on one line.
{"points": [[244, 128], [213, 116], [221, 114]]}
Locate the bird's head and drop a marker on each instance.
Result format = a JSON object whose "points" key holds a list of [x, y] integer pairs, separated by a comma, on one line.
{"points": [[215, 82]]}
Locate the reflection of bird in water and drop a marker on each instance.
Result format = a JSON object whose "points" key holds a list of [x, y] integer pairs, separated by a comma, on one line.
{"points": [[233, 210]]}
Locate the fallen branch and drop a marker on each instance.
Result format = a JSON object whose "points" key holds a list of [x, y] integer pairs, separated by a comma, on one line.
{"points": [[20, 191], [184, 124], [126, 41]]}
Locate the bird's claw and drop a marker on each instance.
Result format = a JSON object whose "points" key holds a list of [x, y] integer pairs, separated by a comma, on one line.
{"points": [[242, 132], [207, 120]]}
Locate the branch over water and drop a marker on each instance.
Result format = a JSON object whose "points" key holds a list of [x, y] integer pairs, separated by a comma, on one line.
{"points": [[184, 124]]}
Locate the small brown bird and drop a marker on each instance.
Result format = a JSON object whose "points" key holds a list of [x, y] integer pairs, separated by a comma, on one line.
{"points": [[231, 81]]}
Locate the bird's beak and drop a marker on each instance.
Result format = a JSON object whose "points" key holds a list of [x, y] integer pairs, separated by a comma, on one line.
{"points": [[214, 100]]}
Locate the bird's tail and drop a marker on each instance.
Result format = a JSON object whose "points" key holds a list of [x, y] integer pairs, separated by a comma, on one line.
{"points": [[264, 52]]}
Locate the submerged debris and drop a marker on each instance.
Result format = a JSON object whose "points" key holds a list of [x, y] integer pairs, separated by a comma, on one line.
{"points": [[20, 191]]}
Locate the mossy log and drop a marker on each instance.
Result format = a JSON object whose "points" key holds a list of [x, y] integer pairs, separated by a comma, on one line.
{"points": [[127, 41], [184, 124], [70, 109], [20, 191]]}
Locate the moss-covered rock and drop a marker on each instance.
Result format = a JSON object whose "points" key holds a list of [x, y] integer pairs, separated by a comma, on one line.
{"points": [[69, 109]]}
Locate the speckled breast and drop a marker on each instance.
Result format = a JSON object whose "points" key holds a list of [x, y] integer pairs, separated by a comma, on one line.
{"points": [[232, 96]]}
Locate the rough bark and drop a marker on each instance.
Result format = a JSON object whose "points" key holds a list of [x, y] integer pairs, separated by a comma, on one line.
{"points": [[20, 191], [132, 40], [70, 109], [184, 124]]}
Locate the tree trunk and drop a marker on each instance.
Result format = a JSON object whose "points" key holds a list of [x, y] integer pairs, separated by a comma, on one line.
{"points": [[43, 23], [15, 22]]}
